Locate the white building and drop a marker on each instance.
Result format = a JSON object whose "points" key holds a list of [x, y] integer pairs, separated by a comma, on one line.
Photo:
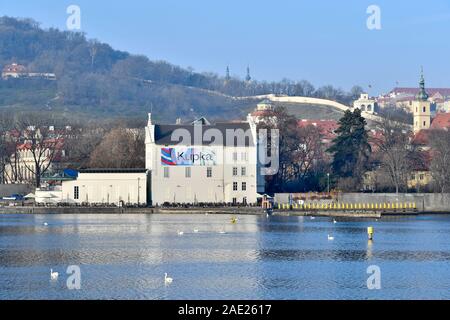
{"points": [[264, 113], [202, 163], [100, 186], [365, 104]]}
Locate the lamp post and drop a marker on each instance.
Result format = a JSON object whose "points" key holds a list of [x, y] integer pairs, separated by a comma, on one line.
{"points": [[328, 179], [139, 191]]}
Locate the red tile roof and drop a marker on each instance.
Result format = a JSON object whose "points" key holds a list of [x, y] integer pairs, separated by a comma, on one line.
{"points": [[14, 68], [422, 137], [414, 91], [441, 121], [263, 113], [327, 127]]}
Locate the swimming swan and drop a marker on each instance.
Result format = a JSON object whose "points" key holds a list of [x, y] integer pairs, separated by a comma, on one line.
{"points": [[167, 280], [53, 275]]}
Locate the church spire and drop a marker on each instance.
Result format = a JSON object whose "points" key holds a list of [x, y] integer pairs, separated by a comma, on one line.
{"points": [[227, 74], [422, 95], [248, 78]]}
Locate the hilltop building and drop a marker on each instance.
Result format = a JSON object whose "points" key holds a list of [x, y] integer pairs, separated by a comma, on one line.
{"points": [[264, 112], [17, 71], [365, 104]]}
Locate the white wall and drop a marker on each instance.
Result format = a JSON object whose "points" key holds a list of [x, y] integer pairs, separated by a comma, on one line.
{"points": [[107, 188], [178, 188]]}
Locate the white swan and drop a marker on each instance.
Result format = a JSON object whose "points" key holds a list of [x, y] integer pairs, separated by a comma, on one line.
{"points": [[334, 221], [46, 224], [53, 275], [167, 280], [195, 230], [180, 233], [313, 218], [330, 238]]}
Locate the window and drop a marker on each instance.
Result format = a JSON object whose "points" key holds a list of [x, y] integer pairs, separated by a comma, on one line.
{"points": [[209, 172], [235, 172], [421, 176], [244, 156], [235, 156], [243, 171], [424, 109], [187, 172], [76, 193], [244, 186], [424, 123], [235, 186], [166, 172]]}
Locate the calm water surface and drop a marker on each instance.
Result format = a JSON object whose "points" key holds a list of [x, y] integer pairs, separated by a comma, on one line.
{"points": [[125, 257]]}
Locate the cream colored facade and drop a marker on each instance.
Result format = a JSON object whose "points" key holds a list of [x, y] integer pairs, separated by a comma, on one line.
{"points": [[106, 187], [229, 174], [420, 179], [422, 115], [365, 104], [21, 170]]}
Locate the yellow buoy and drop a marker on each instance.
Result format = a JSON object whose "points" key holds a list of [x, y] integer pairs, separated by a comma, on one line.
{"points": [[370, 232]]}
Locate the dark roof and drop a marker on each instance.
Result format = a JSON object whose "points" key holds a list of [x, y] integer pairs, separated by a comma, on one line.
{"points": [[112, 170], [163, 134]]}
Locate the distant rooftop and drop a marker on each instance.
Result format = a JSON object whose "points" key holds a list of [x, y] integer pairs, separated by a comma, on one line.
{"points": [[113, 170]]}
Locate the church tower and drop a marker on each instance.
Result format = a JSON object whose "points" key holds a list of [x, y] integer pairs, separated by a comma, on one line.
{"points": [[227, 75], [422, 108], [248, 78]]}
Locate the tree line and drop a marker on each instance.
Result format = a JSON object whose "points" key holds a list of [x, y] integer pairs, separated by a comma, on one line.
{"points": [[358, 159]]}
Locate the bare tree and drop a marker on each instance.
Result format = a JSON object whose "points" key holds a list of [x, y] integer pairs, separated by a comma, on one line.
{"points": [[120, 148], [41, 142], [82, 143], [93, 50], [440, 164], [309, 150], [7, 148], [397, 155]]}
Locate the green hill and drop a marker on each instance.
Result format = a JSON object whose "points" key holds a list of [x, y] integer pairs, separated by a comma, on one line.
{"points": [[95, 79]]}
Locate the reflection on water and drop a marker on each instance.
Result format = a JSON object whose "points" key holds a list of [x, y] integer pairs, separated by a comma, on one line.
{"points": [[126, 256]]}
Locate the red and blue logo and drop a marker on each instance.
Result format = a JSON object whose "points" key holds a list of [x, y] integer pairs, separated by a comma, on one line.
{"points": [[168, 157]]}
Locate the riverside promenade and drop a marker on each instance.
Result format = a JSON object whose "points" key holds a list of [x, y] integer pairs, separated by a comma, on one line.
{"points": [[281, 211]]}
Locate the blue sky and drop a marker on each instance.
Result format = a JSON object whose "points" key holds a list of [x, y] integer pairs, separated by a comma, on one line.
{"points": [[323, 41]]}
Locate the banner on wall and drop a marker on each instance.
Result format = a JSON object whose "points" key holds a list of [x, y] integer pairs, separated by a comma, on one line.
{"points": [[188, 157]]}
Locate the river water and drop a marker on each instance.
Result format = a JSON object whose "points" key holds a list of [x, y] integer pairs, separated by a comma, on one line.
{"points": [[126, 257]]}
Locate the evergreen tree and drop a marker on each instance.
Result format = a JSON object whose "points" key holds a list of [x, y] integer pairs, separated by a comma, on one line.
{"points": [[351, 148]]}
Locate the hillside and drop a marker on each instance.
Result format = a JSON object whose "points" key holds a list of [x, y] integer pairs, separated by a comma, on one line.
{"points": [[92, 78]]}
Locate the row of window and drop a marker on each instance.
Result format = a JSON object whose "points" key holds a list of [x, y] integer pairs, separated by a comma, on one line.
{"points": [[424, 109], [244, 156], [209, 172], [243, 171], [236, 186]]}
